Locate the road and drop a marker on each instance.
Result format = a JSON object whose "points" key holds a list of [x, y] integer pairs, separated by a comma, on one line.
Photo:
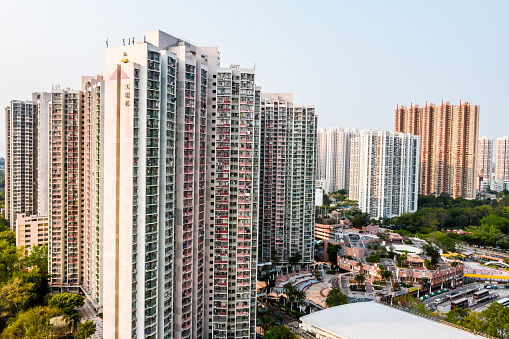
{"points": [[431, 301]]}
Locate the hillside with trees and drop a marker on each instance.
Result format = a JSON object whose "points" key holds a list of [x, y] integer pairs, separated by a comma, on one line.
{"points": [[485, 222]]}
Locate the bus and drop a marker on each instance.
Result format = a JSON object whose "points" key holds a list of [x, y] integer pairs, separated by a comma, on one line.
{"points": [[504, 301], [481, 294], [461, 303]]}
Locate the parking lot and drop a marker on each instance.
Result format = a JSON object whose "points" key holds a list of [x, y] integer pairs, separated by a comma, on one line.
{"points": [[445, 305]]}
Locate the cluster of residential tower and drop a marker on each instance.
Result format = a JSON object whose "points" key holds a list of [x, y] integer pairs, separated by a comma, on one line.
{"points": [[159, 186], [162, 183]]}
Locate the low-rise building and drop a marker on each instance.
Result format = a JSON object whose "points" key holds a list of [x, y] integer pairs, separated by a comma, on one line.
{"points": [[371, 229], [327, 232], [31, 231], [416, 274], [395, 238]]}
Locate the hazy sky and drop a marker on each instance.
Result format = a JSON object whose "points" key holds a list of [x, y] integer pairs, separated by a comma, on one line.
{"points": [[354, 60]]}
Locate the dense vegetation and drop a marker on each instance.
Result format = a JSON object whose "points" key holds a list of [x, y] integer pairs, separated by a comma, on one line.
{"points": [[486, 222], [493, 321], [336, 298], [25, 305]]}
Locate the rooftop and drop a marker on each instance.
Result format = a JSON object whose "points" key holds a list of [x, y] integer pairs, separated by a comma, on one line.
{"points": [[367, 320]]}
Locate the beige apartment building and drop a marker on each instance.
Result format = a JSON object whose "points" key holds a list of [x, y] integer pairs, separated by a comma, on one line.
{"points": [[449, 137], [502, 159], [93, 108], [31, 231], [321, 153], [484, 160]]}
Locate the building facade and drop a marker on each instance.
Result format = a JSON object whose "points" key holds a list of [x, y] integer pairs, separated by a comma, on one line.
{"points": [[449, 137], [388, 165], [190, 133], [339, 144], [31, 231], [235, 191], [65, 252], [321, 153], [288, 156], [502, 160], [20, 160], [93, 103], [42, 100], [484, 160]]}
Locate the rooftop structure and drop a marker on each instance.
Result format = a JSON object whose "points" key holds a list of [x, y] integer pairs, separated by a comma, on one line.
{"points": [[367, 320]]}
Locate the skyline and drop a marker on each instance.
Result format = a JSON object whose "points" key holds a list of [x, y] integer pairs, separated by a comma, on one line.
{"points": [[369, 57]]}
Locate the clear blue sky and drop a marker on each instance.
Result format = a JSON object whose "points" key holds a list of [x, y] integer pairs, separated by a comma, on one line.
{"points": [[354, 60]]}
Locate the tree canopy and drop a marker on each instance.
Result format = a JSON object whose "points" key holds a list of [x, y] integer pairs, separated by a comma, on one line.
{"points": [[279, 332], [336, 298]]}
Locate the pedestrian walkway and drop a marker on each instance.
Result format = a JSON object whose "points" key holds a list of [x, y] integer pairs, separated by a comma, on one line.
{"points": [[88, 313]]}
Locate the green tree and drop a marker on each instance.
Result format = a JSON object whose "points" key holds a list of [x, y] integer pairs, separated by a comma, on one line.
{"points": [[384, 273], [85, 330], [360, 278], [66, 301], [9, 255], [16, 296], [39, 281], [456, 315], [32, 324], [332, 252], [293, 294], [354, 211], [279, 332], [496, 319], [266, 322], [432, 252], [326, 199], [336, 298], [38, 257]]}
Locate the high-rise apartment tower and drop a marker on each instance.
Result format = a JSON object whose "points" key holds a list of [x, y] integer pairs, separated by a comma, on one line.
{"points": [[502, 164], [387, 164], [484, 160], [235, 187], [338, 157], [287, 178], [65, 189], [21, 160], [321, 153], [448, 148]]}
